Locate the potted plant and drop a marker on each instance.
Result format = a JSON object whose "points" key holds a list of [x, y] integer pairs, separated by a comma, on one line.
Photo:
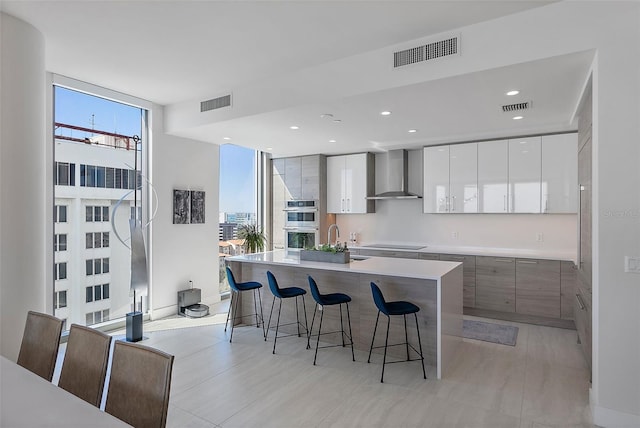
{"points": [[253, 237]]}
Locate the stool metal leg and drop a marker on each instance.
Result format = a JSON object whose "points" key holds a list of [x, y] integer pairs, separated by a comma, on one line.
{"points": [[313, 319], [318, 340], [297, 317], [386, 343], [406, 335], [374, 337], [350, 334], [420, 345], [261, 314], [306, 323], [275, 338], [229, 311], [341, 325], [235, 311], [255, 307], [273, 302]]}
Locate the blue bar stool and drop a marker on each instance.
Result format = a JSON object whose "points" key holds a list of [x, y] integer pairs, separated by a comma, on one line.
{"points": [[325, 300], [395, 308], [236, 288], [285, 293]]}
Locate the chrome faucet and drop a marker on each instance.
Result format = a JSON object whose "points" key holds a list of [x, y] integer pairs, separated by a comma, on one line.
{"points": [[329, 233]]}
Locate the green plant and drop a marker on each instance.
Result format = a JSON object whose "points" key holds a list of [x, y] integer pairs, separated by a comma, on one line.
{"points": [[327, 248], [253, 236]]}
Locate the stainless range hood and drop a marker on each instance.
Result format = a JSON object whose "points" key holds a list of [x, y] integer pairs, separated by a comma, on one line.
{"points": [[392, 176]]}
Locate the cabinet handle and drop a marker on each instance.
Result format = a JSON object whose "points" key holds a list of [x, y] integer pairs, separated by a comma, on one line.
{"points": [[453, 203], [348, 205], [580, 302], [503, 260], [504, 200], [528, 262], [546, 204], [342, 205]]}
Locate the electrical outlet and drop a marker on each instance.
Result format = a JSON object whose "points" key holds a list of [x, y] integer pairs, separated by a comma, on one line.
{"points": [[632, 264], [539, 236], [454, 235]]}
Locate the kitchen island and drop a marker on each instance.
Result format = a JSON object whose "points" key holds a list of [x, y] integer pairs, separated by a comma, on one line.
{"points": [[435, 286]]}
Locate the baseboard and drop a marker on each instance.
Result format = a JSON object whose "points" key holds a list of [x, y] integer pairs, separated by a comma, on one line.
{"points": [[610, 418], [165, 312]]}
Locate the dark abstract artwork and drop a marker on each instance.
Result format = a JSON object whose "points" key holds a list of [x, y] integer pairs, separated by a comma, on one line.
{"points": [[197, 207], [181, 205]]}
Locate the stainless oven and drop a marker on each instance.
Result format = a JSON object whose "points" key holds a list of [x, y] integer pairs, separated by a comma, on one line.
{"points": [[301, 224]]}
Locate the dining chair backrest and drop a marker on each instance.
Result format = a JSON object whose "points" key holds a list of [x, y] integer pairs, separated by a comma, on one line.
{"points": [[40, 341], [315, 292], [231, 279], [378, 299], [85, 363], [139, 385]]}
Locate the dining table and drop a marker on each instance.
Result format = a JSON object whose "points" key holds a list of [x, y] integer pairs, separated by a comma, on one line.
{"points": [[27, 400]]}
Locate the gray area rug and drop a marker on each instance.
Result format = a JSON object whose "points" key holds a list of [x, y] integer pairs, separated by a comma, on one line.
{"points": [[490, 332]]}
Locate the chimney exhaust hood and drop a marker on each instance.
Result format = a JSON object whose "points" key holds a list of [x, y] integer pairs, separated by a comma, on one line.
{"points": [[393, 176]]}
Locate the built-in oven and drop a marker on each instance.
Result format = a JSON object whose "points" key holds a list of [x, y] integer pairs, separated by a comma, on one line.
{"points": [[301, 224]]}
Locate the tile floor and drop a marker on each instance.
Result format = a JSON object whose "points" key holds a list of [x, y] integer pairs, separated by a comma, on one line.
{"points": [[541, 382]]}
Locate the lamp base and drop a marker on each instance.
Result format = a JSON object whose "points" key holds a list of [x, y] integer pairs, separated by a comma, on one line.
{"points": [[134, 326]]}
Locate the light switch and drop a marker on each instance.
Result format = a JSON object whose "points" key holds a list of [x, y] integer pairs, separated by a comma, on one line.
{"points": [[632, 264]]}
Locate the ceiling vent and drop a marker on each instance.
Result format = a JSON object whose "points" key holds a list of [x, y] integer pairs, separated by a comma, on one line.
{"points": [[215, 103], [439, 49], [517, 106]]}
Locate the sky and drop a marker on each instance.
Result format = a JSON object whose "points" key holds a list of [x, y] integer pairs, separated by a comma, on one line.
{"points": [[237, 175]]}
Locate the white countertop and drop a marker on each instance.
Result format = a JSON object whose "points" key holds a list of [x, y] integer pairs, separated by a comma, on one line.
{"points": [[408, 268], [479, 251]]}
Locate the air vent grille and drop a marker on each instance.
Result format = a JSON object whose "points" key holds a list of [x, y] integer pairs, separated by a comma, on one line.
{"points": [[426, 52], [517, 106], [215, 103]]}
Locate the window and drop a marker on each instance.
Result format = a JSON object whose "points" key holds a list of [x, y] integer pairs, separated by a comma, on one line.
{"points": [[65, 174], [60, 242], [96, 213], [60, 214], [97, 240], [110, 178], [60, 299], [60, 271], [97, 266], [97, 317], [96, 292]]}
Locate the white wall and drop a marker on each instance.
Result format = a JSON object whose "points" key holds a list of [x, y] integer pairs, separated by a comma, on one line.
{"points": [[183, 252], [23, 179]]}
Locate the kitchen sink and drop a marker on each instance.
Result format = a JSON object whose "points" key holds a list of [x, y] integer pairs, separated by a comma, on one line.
{"points": [[355, 258]]}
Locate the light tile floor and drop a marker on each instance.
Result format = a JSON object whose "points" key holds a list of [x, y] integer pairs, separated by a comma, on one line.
{"points": [[541, 382]]}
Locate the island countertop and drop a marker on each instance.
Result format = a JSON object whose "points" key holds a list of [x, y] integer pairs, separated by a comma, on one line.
{"points": [[406, 268]]}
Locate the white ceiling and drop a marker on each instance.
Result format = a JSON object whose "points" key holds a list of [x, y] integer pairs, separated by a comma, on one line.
{"points": [[169, 52]]}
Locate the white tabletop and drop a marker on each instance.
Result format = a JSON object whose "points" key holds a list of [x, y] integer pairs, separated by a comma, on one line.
{"points": [[409, 268], [27, 400]]}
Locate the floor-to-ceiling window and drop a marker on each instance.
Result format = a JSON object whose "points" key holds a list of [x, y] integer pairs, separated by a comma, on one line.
{"points": [[238, 201], [98, 147]]}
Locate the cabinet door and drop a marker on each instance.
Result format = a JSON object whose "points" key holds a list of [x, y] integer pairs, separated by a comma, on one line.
{"points": [[463, 178], [496, 283], [568, 288], [389, 253], [436, 179], [292, 177], [585, 217], [356, 183], [428, 256], [538, 287], [560, 173], [493, 176], [278, 196], [335, 186], [469, 277], [525, 168], [310, 177]]}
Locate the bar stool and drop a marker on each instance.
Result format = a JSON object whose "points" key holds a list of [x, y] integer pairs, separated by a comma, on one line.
{"points": [[325, 300], [285, 293], [395, 308], [236, 288]]}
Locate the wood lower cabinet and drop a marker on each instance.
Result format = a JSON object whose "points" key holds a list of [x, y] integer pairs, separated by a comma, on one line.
{"points": [[496, 283], [538, 287], [582, 315], [389, 253], [469, 276], [428, 256], [568, 278]]}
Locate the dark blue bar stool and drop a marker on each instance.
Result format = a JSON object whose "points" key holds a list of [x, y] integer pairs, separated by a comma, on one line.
{"points": [[395, 308], [285, 293], [325, 300], [236, 288]]}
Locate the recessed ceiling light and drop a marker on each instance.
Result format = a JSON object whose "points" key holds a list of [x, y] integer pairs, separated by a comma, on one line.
{"points": [[269, 148], [226, 138], [337, 120], [511, 93], [523, 142], [326, 115], [385, 113], [332, 141], [411, 131], [518, 117], [294, 127]]}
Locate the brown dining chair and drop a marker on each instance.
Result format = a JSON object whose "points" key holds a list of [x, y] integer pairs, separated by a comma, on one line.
{"points": [[85, 363], [139, 385], [40, 341]]}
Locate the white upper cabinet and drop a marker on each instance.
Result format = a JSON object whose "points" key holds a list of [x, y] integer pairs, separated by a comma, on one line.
{"points": [[560, 173], [493, 176], [525, 169], [463, 178], [436, 179], [349, 182]]}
